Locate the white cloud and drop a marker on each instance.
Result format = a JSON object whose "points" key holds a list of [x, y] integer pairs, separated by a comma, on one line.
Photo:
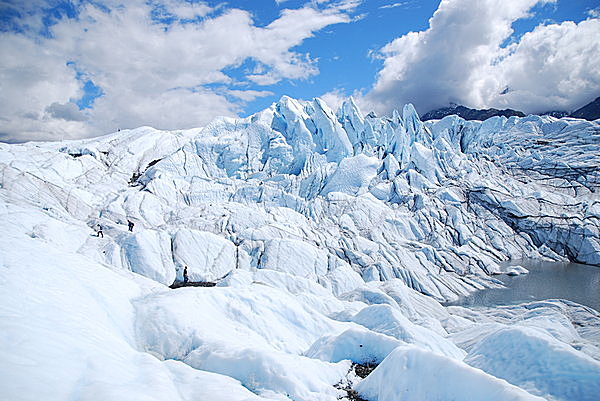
{"points": [[334, 98], [393, 5], [149, 72], [248, 95], [32, 79], [554, 67], [594, 12], [186, 10], [66, 111], [460, 59]]}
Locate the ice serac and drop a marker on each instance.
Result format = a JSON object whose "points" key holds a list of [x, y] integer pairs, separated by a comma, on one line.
{"points": [[413, 126], [330, 137], [207, 256], [149, 254], [310, 127], [352, 121]]}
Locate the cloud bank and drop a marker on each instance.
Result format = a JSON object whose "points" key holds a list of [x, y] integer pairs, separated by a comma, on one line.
{"points": [[160, 63], [78, 69], [463, 58]]}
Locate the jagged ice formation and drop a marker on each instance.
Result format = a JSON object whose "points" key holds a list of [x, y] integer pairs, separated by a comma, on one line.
{"points": [[437, 205]]}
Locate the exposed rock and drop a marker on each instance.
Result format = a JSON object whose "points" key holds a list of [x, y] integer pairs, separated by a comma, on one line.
{"points": [[470, 114]]}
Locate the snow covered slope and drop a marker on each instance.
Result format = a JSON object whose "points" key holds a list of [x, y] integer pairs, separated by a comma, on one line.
{"points": [[330, 238]]}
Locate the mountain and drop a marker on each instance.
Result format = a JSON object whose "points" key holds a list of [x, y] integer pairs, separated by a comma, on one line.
{"points": [[319, 246], [556, 113], [470, 114], [590, 111]]}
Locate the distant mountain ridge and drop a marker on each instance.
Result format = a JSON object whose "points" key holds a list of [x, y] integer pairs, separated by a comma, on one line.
{"points": [[470, 114], [590, 112]]}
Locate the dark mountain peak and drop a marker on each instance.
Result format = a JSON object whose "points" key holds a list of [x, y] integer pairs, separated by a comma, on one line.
{"points": [[590, 111], [469, 114]]}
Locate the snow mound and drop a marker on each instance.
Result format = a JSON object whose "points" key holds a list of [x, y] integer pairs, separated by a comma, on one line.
{"points": [[532, 359], [415, 374], [359, 346], [255, 334], [389, 321], [174, 323], [266, 371]]}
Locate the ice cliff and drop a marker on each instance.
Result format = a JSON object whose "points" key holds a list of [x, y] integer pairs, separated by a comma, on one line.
{"points": [[321, 230]]}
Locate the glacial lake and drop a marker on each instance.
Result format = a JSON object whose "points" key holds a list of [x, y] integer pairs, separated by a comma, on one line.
{"points": [[546, 280]]}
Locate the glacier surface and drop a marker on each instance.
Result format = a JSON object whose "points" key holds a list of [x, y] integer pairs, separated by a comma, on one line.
{"points": [[322, 240]]}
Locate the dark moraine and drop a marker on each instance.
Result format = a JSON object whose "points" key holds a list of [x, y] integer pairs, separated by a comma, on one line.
{"points": [[546, 280]]}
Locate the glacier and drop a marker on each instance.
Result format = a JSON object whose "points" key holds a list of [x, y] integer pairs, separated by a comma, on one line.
{"points": [[326, 239]]}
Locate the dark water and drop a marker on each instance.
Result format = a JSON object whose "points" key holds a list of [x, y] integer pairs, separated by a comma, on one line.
{"points": [[546, 280]]}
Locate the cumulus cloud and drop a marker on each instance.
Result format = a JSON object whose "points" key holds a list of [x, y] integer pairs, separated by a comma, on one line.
{"points": [[334, 98], [184, 9], [461, 59], [158, 63], [553, 67], [33, 79]]}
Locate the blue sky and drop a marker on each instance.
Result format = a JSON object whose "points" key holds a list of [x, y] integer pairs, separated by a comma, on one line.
{"points": [[75, 69]]}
